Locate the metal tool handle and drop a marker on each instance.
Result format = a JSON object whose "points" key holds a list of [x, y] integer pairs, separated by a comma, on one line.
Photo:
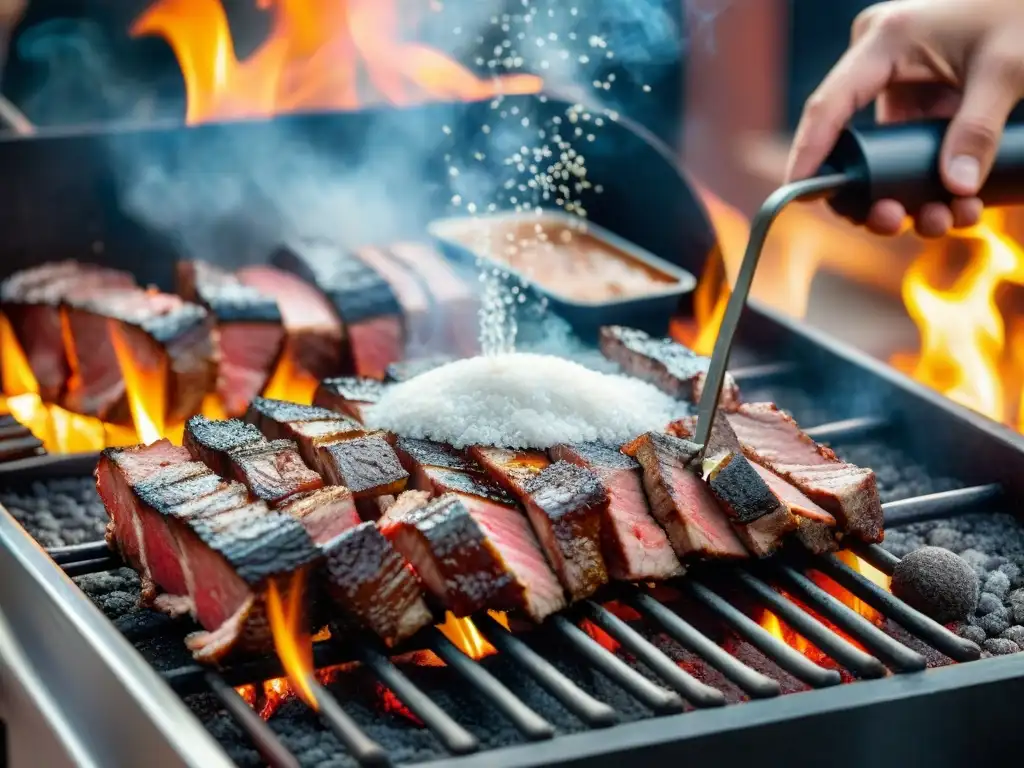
{"points": [[901, 162]]}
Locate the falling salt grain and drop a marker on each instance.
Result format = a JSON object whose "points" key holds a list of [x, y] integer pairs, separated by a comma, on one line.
{"points": [[521, 400]]}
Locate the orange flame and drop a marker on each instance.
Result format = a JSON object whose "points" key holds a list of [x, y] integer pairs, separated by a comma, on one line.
{"points": [[963, 331], [464, 634], [290, 381], [291, 637], [782, 631], [144, 387], [319, 55]]}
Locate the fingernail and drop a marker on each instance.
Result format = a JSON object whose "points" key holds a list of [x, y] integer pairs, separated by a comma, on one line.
{"points": [[965, 171]]}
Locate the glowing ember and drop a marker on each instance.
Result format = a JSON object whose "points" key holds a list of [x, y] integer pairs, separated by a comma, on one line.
{"points": [[319, 55], [291, 638], [392, 705]]}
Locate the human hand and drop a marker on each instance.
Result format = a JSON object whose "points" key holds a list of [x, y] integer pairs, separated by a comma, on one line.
{"points": [[959, 59]]}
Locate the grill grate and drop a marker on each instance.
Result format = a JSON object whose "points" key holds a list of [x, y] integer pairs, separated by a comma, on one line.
{"points": [[671, 688]]}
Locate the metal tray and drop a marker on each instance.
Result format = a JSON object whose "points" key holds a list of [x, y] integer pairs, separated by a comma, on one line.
{"points": [[651, 312]]}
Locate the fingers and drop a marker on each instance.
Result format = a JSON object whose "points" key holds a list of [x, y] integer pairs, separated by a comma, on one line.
{"points": [[859, 76], [888, 217], [994, 85]]}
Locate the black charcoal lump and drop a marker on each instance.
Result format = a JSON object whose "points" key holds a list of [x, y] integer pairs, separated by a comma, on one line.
{"points": [[938, 583]]}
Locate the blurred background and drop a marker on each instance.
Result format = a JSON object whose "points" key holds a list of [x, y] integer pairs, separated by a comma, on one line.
{"points": [[721, 82]]}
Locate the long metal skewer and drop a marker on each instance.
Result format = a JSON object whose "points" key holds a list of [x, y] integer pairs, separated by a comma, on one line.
{"points": [[808, 189]]}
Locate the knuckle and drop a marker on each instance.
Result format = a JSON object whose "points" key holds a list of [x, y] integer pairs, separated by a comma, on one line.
{"points": [[1006, 65], [979, 132], [893, 21], [865, 21], [816, 107]]}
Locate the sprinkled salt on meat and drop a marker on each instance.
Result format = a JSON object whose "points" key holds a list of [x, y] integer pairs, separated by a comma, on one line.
{"points": [[520, 401]]}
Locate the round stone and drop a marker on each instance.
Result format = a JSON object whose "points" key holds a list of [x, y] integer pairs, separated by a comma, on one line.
{"points": [[973, 633], [999, 646], [938, 583]]}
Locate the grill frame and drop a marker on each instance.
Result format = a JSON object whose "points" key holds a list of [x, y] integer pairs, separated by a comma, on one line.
{"points": [[712, 731], [58, 632]]}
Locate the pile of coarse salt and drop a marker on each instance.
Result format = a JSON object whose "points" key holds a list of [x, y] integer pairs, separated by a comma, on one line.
{"points": [[521, 400]]}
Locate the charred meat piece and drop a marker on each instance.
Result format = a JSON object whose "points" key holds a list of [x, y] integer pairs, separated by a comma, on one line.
{"points": [[315, 337], [761, 515], [474, 556], [566, 505], [454, 297], [409, 369], [273, 471], [325, 513], [211, 442], [418, 456], [199, 539], [361, 297], [668, 365], [365, 465], [372, 583], [118, 471], [634, 545], [512, 470], [250, 330], [681, 501], [17, 441], [168, 342], [31, 300], [349, 395], [309, 426], [816, 528], [850, 493]]}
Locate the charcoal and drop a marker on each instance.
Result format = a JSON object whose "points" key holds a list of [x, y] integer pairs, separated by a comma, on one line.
{"points": [[1016, 601], [937, 582], [1015, 633], [997, 584], [999, 646], [972, 632], [996, 622], [987, 603]]}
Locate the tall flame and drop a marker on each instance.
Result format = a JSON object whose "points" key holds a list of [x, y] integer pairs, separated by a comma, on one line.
{"points": [[963, 333], [291, 637], [145, 388], [319, 55]]}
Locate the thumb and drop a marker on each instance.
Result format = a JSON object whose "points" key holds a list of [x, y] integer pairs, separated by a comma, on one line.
{"points": [[992, 90]]}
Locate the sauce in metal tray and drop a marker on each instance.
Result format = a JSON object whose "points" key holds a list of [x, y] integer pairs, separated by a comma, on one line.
{"points": [[561, 257]]}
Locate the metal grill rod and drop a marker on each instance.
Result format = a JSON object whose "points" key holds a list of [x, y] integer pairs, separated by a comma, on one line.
{"points": [[365, 750], [528, 722], [262, 735], [914, 621], [850, 656], [690, 688], [895, 653], [847, 429], [749, 680], [935, 506], [789, 659], [588, 709]]}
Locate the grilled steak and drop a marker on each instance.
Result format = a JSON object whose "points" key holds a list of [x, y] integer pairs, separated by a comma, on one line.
{"points": [[361, 297], [512, 470], [816, 528], [680, 500], [198, 538], [365, 465], [440, 470], [472, 556], [666, 364], [772, 439], [169, 342], [372, 583], [634, 545], [250, 330], [273, 471], [349, 395], [31, 299], [566, 505], [315, 338], [211, 442], [456, 299], [325, 513], [17, 441], [309, 426], [761, 516], [409, 369], [422, 318]]}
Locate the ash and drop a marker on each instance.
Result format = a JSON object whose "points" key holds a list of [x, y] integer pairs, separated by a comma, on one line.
{"points": [[993, 545]]}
